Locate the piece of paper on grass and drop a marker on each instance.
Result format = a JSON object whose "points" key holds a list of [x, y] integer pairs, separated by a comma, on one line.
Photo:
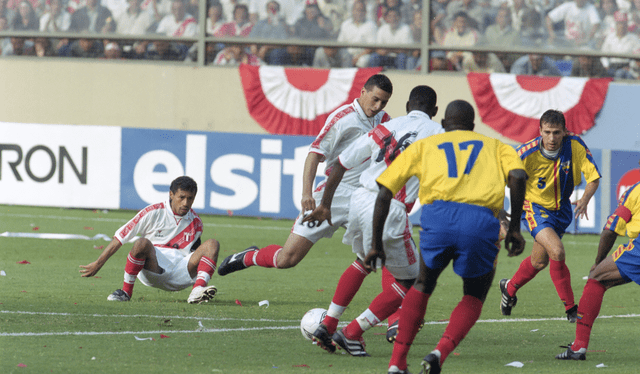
{"points": [[515, 364]]}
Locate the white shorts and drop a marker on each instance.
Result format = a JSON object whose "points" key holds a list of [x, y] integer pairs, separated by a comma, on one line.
{"points": [[399, 248], [176, 272], [339, 215]]}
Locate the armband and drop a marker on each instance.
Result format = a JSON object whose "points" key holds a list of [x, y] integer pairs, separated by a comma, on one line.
{"points": [[623, 212]]}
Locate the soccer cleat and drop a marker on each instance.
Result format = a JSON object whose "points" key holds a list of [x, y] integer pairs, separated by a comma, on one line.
{"points": [[323, 338], [572, 314], [202, 294], [353, 347], [234, 262], [392, 330], [506, 302], [393, 369], [431, 364], [118, 295], [569, 354]]}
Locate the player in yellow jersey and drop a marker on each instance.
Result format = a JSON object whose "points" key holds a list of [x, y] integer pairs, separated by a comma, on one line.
{"points": [[553, 161], [462, 181], [622, 267]]}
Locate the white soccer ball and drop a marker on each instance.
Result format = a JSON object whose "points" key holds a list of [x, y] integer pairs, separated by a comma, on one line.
{"points": [[311, 321]]}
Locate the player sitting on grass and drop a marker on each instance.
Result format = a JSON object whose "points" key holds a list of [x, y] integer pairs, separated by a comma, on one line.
{"points": [[169, 255]]}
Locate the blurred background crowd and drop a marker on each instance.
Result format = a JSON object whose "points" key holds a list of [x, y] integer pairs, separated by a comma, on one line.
{"points": [[363, 33]]}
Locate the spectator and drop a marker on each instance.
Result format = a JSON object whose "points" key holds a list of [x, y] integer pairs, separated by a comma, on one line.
{"points": [[621, 42], [313, 25], [518, 10], [409, 8], [5, 43], [112, 51], [393, 32], [358, 29], [229, 6], [335, 11], [482, 62], [501, 33], [163, 50], [588, 66], [6, 13], [19, 47], [383, 7], [239, 26], [134, 21], [476, 15], [439, 62], [634, 17], [414, 60], [93, 18], [438, 13], [531, 31], [235, 54], [581, 22], [215, 18], [608, 24], [42, 48], [211, 50], [56, 19], [331, 57], [272, 27], [84, 48], [26, 19], [179, 23], [534, 64], [460, 35]]}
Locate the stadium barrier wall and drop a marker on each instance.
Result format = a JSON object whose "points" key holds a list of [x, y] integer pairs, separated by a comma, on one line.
{"points": [[237, 174]]}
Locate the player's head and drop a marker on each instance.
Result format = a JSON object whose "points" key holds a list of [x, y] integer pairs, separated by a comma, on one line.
{"points": [[423, 98], [459, 115], [182, 193], [553, 129], [375, 94]]}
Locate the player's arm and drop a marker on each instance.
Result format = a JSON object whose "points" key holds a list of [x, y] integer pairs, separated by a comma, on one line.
{"points": [[380, 213], [514, 242], [607, 240], [308, 180], [323, 211], [93, 268], [581, 203]]}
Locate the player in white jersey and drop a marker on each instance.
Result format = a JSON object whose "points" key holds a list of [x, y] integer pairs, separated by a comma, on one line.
{"points": [[169, 253], [381, 146], [342, 127]]}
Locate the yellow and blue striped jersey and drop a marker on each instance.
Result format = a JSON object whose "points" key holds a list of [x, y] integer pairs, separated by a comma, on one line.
{"points": [[551, 181], [459, 166], [625, 220]]}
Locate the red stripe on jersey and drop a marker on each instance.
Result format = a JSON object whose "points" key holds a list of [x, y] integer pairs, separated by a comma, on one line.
{"points": [[623, 212], [127, 229], [385, 118], [556, 181], [186, 236], [327, 127]]}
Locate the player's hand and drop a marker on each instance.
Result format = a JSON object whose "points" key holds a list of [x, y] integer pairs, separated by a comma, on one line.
{"points": [[581, 209], [308, 203], [514, 243], [319, 214], [371, 260], [503, 217], [90, 270]]}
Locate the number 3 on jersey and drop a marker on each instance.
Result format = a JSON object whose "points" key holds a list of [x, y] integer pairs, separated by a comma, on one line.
{"points": [[450, 153]]}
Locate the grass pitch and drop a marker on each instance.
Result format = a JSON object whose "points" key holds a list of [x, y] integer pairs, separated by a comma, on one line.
{"points": [[52, 320]]}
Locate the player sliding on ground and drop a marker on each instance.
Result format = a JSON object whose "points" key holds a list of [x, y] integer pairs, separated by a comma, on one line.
{"points": [[169, 253]]}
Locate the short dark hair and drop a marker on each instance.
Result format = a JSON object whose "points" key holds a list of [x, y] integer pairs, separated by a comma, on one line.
{"points": [[381, 81], [184, 183], [554, 118], [423, 96]]}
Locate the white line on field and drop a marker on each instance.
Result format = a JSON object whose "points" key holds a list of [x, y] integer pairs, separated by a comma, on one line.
{"points": [[145, 316], [202, 330]]}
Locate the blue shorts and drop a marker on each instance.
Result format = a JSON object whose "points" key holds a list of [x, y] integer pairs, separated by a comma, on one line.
{"points": [[627, 259], [536, 218], [464, 233]]}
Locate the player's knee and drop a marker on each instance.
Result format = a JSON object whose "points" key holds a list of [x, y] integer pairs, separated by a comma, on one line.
{"points": [[210, 248], [141, 248], [286, 260]]}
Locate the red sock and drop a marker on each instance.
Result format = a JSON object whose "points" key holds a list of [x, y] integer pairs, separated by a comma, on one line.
{"points": [[264, 257], [394, 317], [206, 268], [588, 310], [525, 273], [562, 280], [131, 270], [413, 308], [348, 285], [462, 319], [387, 279]]}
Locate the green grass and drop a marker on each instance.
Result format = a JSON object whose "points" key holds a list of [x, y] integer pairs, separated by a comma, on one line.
{"points": [[76, 330]]}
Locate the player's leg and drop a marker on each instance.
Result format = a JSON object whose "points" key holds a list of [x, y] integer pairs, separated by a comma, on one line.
{"points": [[141, 256], [202, 265]]}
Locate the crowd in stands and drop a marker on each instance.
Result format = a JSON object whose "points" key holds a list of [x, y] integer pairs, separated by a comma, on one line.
{"points": [[609, 26]]}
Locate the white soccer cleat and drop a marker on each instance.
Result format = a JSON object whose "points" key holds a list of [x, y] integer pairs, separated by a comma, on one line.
{"points": [[202, 294]]}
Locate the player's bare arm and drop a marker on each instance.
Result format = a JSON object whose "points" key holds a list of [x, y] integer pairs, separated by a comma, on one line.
{"points": [[583, 202], [93, 268], [308, 180], [380, 213], [323, 211], [514, 242], [607, 240]]}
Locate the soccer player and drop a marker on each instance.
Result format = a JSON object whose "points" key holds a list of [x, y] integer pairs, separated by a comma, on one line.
{"points": [[622, 267], [169, 254], [342, 127], [553, 161], [462, 178], [380, 145]]}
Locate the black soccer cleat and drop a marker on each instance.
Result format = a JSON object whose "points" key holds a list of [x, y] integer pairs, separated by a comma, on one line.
{"points": [[392, 330], [506, 302], [119, 295], [234, 262], [572, 314], [323, 338], [569, 354], [353, 347], [431, 364]]}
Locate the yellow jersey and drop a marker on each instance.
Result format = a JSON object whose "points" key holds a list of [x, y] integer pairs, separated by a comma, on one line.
{"points": [[459, 166], [625, 220], [551, 181]]}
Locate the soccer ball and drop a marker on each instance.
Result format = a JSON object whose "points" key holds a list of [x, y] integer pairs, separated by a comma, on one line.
{"points": [[311, 321]]}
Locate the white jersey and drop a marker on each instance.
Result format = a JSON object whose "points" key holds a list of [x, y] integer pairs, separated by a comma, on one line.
{"points": [[383, 144], [342, 127], [162, 228]]}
